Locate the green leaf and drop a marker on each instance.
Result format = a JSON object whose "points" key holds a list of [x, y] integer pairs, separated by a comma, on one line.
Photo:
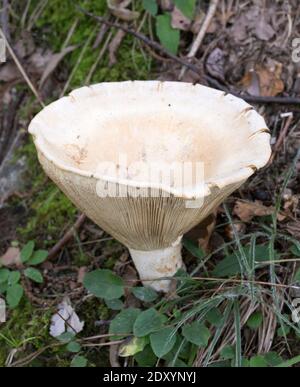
{"points": [[38, 257], [14, 277], [27, 251], [295, 250], [4, 275], [163, 341], [14, 295], [116, 304], [147, 322], [135, 345], [196, 333], [273, 359], [229, 266], [215, 317], [73, 347], [145, 294], [255, 320], [283, 331], [122, 324], [146, 358], [297, 276], [79, 362], [34, 274], [193, 249], [290, 363], [187, 7], [168, 36], [228, 353], [104, 284], [258, 362], [150, 6], [66, 337]]}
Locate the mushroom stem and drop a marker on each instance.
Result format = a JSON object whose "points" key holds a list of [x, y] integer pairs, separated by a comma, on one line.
{"points": [[155, 264]]}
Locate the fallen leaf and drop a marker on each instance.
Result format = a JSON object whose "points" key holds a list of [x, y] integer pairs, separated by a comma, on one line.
{"points": [[179, 20], [11, 257], [215, 63], [81, 274], [264, 79], [53, 63], [246, 210], [202, 233], [65, 320], [9, 72], [119, 9]]}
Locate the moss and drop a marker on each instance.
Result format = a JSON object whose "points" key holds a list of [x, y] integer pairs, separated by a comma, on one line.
{"points": [[27, 327]]}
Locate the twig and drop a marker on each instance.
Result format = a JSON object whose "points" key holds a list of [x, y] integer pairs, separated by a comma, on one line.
{"points": [[21, 69], [67, 237], [281, 137], [213, 82], [199, 38]]}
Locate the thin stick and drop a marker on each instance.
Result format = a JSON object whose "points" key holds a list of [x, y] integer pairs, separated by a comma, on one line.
{"points": [[281, 137], [190, 66], [201, 34], [21, 69], [67, 237]]}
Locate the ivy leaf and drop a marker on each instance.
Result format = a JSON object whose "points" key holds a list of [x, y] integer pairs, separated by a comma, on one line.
{"points": [[146, 358], [145, 294], [193, 249], [66, 337], [27, 251], [4, 275], [196, 333], [104, 284], [14, 277], [168, 36], [34, 274], [122, 324], [147, 322], [79, 362], [255, 320], [116, 304], [14, 295], [215, 317], [38, 257], [150, 6], [163, 341], [187, 7], [73, 347], [258, 362]]}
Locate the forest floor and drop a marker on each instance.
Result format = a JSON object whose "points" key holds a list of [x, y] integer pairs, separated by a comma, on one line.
{"points": [[243, 275]]}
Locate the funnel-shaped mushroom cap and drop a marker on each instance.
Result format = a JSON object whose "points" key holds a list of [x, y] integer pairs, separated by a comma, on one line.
{"points": [[80, 137]]}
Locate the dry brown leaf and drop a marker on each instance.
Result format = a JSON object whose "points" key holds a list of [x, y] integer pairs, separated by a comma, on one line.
{"points": [[11, 257], [53, 63], [202, 233], [246, 211], [264, 80], [179, 20], [215, 63], [270, 79], [119, 9]]}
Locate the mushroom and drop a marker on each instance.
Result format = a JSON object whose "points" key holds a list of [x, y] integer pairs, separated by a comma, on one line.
{"points": [[148, 160]]}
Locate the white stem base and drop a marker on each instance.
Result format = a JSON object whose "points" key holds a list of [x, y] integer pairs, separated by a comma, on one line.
{"points": [[157, 264]]}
